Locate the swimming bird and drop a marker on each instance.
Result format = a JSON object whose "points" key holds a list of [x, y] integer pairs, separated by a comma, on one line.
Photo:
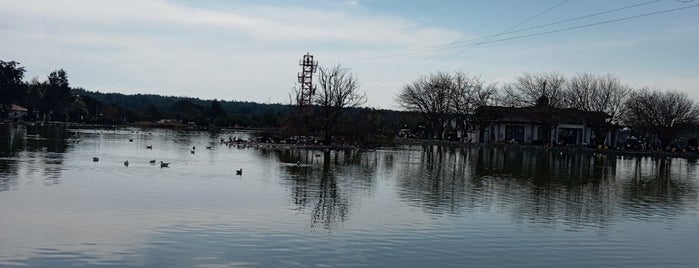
{"points": [[209, 147], [95, 159], [239, 172], [192, 151], [163, 164], [150, 147], [152, 161], [130, 140], [126, 163]]}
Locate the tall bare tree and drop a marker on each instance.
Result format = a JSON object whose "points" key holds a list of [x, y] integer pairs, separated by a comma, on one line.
{"points": [[338, 90], [531, 87], [468, 93], [664, 114], [596, 93], [431, 97]]}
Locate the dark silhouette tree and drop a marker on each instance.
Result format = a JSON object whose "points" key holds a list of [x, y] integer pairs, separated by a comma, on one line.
{"points": [[430, 97], [338, 91], [216, 114], [468, 93], [592, 93], [664, 114], [187, 111], [12, 89], [56, 95], [530, 87]]}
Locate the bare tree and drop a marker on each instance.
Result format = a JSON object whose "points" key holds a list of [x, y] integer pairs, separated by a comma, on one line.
{"points": [[531, 87], [468, 93], [588, 92], [338, 90], [431, 97], [591, 93], [664, 114]]}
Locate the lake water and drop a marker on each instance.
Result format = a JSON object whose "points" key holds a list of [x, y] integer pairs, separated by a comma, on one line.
{"points": [[409, 206]]}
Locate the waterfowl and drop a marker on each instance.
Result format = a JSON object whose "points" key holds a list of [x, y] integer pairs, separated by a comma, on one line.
{"points": [[95, 159], [152, 161], [163, 164], [150, 147], [239, 172], [209, 147], [130, 140], [126, 163]]}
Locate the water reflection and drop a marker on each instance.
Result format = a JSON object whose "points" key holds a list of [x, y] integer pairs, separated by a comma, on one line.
{"points": [[436, 178], [324, 181], [659, 187], [577, 189], [407, 206], [32, 148]]}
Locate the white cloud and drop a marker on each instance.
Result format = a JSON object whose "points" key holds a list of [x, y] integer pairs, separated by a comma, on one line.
{"points": [[245, 52], [250, 51]]}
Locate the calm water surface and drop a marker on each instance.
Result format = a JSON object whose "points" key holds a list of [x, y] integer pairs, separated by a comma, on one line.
{"points": [[396, 207]]}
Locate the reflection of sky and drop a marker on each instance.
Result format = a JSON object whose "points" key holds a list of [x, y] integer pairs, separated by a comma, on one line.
{"points": [[403, 209]]}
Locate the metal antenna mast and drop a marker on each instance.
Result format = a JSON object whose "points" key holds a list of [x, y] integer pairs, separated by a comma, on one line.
{"points": [[308, 68]]}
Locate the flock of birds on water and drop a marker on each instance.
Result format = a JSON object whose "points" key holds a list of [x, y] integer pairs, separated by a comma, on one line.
{"points": [[238, 172]]}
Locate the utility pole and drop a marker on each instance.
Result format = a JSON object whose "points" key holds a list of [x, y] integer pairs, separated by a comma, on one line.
{"points": [[308, 68]]}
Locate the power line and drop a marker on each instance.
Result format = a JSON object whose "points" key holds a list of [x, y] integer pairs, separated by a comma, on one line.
{"points": [[574, 27], [436, 48], [478, 28], [432, 48], [491, 21], [508, 29], [469, 45], [571, 19]]}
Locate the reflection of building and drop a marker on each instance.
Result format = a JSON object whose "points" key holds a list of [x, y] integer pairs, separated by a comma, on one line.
{"points": [[542, 124]]}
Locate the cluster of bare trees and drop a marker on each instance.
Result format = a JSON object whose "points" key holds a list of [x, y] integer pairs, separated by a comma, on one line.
{"points": [[664, 114], [442, 97]]}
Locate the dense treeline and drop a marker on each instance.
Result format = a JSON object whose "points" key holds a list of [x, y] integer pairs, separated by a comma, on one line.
{"points": [[221, 113]]}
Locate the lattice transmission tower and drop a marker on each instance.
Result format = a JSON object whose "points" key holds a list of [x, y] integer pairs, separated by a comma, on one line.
{"points": [[308, 68]]}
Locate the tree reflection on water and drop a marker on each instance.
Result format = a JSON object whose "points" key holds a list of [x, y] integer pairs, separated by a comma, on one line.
{"points": [[659, 187], [34, 147], [325, 181], [578, 189]]}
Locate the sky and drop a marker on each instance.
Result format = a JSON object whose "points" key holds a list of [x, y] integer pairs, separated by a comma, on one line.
{"points": [[250, 50]]}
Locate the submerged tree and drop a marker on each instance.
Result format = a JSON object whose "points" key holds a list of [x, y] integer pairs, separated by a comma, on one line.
{"points": [[664, 114], [338, 90]]}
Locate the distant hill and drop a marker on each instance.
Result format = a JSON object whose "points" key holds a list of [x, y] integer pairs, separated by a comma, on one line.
{"points": [[144, 107]]}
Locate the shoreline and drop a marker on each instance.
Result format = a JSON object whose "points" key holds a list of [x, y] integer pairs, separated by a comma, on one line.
{"points": [[398, 141]]}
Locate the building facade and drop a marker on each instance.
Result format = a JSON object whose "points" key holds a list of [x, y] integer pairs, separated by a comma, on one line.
{"points": [[543, 124]]}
